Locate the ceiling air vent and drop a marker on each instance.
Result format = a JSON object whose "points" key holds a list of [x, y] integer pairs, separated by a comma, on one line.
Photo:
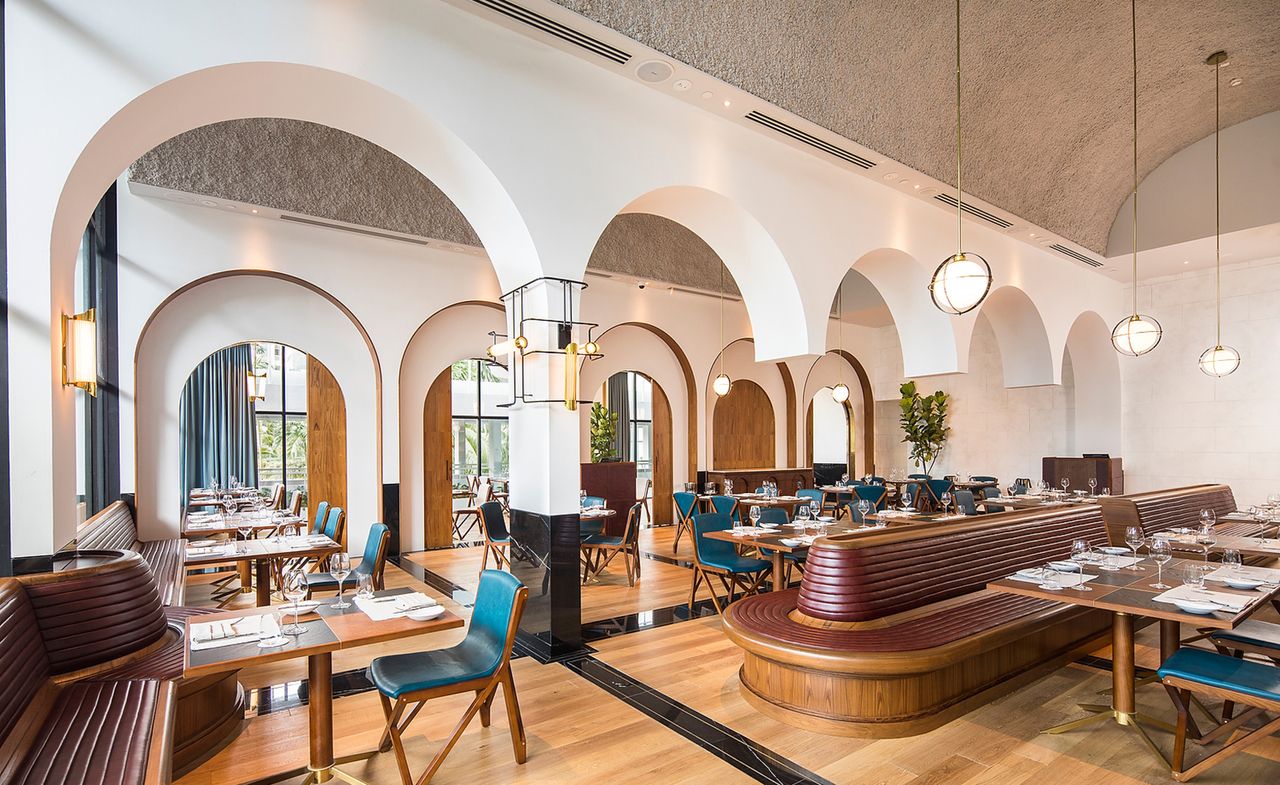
{"points": [[807, 138], [1079, 257], [976, 212], [553, 28]]}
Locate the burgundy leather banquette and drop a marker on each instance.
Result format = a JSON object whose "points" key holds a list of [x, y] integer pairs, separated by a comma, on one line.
{"points": [[114, 528], [1162, 510], [93, 677]]}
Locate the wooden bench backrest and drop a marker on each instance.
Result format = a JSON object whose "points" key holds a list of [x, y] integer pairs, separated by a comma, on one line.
{"points": [[112, 528], [1166, 509]]}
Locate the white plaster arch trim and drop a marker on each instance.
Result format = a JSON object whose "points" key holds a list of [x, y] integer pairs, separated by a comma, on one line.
{"points": [[740, 363], [1020, 331], [828, 371], [629, 347], [931, 344], [761, 271], [233, 309], [453, 333], [1095, 367]]}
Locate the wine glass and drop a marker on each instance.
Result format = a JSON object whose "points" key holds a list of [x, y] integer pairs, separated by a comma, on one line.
{"points": [[815, 508], [1081, 552], [754, 515], [844, 479], [1106, 491], [905, 501], [1066, 481], [246, 531], [728, 487], [802, 513], [582, 498], [1093, 484], [864, 509], [946, 501], [1134, 539], [1208, 516], [341, 568], [295, 591], [1206, 537], [1161, 552], [269, 631]]}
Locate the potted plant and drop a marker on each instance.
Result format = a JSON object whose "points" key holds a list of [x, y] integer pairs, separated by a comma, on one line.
{"points": [[924, 424], [604, 430]]}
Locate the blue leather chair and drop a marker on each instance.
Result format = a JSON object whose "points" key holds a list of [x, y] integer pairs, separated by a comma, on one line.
{"points": [[600, 549], [726, 505], [810, 495], [935, 490], [1020, 486], [479, 665], [372, 564], [1241, 681], [720, 559], [774, 515], [917, 476], [593, 501], [686, 507], [985, 478], [992, 493], [497, 540], [590, 526], [964, 502], [322, 510], [335, 525]]}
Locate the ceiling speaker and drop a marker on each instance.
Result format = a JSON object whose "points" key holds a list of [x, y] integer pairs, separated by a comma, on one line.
{"points": [[654, 71]]}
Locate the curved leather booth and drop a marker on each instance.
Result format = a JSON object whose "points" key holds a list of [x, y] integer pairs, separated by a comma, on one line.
{"points": [[95, 637]]}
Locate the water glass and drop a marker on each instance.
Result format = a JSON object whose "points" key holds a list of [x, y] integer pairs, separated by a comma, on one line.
{"points": [[1161, 553], [1049, 580], [1106, 491], [269, 632], [1232, 560], [1193, 575], [364, 587], [340, 566], [728, 487]]}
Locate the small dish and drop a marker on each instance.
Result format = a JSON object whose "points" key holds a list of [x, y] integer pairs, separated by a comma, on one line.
{"points": [[826, 519], [1241, 582], [1115, 550], [1200, 607], [769, 526], [790, 542], [205, 543], [1065, 566], [304, 607], [426, 614]]}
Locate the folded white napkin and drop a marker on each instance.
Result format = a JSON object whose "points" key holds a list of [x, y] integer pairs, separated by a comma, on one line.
{"points": [[1266, 574], [212, 550], [746, 531], [383, 608], [215, 634], [1040, 575], [1232, 602]]}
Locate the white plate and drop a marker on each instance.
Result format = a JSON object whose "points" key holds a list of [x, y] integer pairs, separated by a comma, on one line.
{"points": [[790, 542], [304, 607], [1065, 566], [1201, 607], [768, 526], [206, 543], [826, 519], [1242, 582], [426, 614], [1115, 550]]}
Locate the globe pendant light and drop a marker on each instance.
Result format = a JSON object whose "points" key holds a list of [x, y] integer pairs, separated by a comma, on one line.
{"points": [[1219, 360], [721, 384], [962, 281], [1137, 334], [840, 393]]}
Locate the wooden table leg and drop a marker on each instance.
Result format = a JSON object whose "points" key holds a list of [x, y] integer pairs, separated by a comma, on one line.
{"points": [[246, 577], [1122, 656], [779, 571], [263, 568], [320, 713], [1170, 638]]}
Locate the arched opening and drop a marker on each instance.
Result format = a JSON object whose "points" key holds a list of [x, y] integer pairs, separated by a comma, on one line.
{"points": [[1024, 344], [776, 401], [830, 426], [1095, 373], [643, 436], [743, 428], [927, 335]]}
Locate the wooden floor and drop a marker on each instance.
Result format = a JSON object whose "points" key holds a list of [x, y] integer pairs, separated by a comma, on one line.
{"points": [[578, 733]]}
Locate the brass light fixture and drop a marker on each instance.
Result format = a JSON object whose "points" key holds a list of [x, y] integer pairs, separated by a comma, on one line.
{"points": [[257, 384], [962, 281], [80, 351], [1219, 360], [840, 393], [722, 383], [1137, 334]]}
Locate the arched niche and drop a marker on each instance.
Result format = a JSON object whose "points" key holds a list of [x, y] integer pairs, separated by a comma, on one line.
{"points": [[454, 333], [662, 449], [1024, 344], [842, 367], [928, 336], [743, 429], [830, 428], [1095, 369], [775, 380], [240, 307]]}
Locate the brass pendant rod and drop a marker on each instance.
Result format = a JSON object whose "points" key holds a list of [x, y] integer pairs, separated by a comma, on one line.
{"points": [[1133, 18], [1217, 191], [959, 168], [722, 346]]}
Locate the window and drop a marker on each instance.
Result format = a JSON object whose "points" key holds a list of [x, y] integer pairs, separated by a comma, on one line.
{"points": [[282, 416], [640, 393], [481, 442]]}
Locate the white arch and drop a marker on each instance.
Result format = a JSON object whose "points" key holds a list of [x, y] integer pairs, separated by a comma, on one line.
{"points": [[234, 309], [928, 336], [762, 273], [1025, 356], [1095, 366], [828, 371], [740, 363], [453, 333]]}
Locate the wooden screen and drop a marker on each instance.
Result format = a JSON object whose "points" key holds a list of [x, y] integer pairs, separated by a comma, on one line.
{"points": [[663, 482], [437, 462], [326, 440], [743, 429]]}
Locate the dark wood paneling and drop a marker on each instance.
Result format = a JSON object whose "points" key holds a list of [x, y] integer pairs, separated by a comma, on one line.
{"points": [[743, 428], [326, 439], [663, 479], [1108, 471], [615, 482], [437, 462]]}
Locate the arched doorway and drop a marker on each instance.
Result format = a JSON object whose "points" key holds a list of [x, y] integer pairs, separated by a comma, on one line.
{"points": [[830, 428], [743, 428], [644, 436]]}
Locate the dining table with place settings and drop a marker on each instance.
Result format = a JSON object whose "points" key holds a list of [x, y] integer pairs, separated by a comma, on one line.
{"points": [[232, 640], [1032, 501], [1190, 540], [206, 524], [259, 552]]}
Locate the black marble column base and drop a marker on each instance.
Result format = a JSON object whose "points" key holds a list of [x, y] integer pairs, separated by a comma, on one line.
{"points": [[544, 556]]}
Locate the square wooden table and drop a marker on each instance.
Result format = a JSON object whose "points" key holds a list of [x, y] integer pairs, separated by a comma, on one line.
{"points": [[232, 525], [326, 630], [260, 553], [1247, 546], [1127, 593]]}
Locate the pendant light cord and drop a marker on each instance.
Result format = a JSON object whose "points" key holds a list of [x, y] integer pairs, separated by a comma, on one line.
{"points": [[1217, 192], [959, 168], [722, 346], [1133, 17]]}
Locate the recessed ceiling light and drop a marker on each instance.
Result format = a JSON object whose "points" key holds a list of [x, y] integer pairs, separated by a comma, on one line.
{"points": [[208, 203], [726, 103], [1236, 81], [1188, 261], [916, 186], [928, 191], [680, 85], [707, 94], [255, 211], [891, 176], [654, 71], [1032, 234], [904, 182]]}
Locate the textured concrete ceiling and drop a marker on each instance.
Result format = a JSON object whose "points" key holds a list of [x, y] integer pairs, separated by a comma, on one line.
{"points": [[650, 247], [1047, 85]]}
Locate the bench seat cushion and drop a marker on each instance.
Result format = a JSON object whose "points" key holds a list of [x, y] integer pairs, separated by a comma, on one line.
{"points": [[97, 732], [166, 558], [768, 614], [1218, 670]]}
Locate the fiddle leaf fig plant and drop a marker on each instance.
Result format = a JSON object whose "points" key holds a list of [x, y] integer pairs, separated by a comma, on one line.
{"points": [[604, 429], [924, 424]]}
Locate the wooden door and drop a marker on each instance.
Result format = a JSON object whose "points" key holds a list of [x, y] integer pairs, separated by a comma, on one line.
{"points": [[663, 480], [743, 429], [326, 440], [437, 462]]}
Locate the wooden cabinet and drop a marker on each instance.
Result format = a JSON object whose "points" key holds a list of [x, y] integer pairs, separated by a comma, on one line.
{"points": [[615, 482], [1109, 473]]}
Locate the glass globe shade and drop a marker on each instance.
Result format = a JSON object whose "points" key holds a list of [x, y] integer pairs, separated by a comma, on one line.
{"points": [[1136, 335], [1219, 361], [960, 283], [720, 385], [840, 393]]}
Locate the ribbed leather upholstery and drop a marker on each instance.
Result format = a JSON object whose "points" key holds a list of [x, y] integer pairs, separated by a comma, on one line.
{"points": [[163, 663], [24, 666], [870, 581], [1168, 509], [89, 618], [115, 529], [768, 614], [97, 734], [166, 558]]}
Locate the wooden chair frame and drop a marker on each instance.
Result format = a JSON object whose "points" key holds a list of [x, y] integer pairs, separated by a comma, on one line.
{"points": [[485, 689], [749, 583], [483, 492], [643, 501], [683, 523], [1180, 691], [597, 556], [501, 551], [377, 577]]}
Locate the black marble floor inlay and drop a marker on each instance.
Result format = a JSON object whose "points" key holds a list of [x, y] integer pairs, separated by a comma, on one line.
{"points": [[464, 597], [758, 762], [644, 620]]}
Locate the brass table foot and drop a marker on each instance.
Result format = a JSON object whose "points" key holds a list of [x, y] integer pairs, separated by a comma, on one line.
{"points": [[1132, 720]]}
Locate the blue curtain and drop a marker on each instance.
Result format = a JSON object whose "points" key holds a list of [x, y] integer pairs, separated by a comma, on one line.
{"points": [[217, 435]]}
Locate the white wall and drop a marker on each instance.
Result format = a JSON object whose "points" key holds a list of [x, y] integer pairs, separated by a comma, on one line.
{"points": [[1181, 426], [830, 429]]}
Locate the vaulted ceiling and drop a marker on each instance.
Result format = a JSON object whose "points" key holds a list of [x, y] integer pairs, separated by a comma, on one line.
{"points": [[1047, 85]]}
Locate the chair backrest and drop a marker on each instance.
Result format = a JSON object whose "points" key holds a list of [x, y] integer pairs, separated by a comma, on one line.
{"points": [[877, 480], [985, 478], [812, 494], [335, 524], [774, 515], [375, 553], [492, 521], [484, 492], [875, 494], [500, 600], [593, 501], [111, 529], [705, 548], [964, 502], [726, 505], [912, 492], [276, 502], [631, 535], [1020, 486], [295, 503], [644, 494], [686, 504], [1165, 509], [937, 488], [322, 515], [992, 493]]}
